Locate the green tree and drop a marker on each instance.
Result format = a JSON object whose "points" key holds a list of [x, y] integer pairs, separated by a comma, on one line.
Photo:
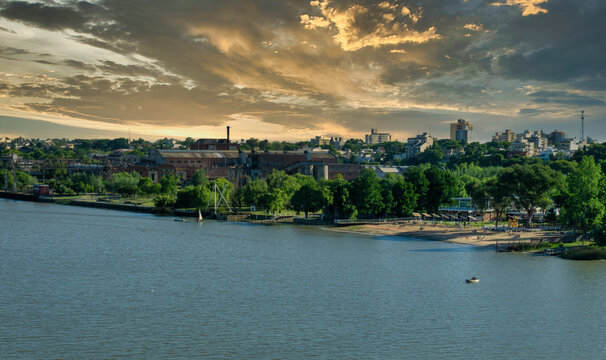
{"points": [[416, 177], [582, 208], [405, 198], [274, 200], [366, 194], [193, 197], [443, 186], [254, 191], [124, 183], [168, 185], [310, 197], [200, 178], [387, 187], [530, 185], [498, 196], [223, 186], [339, 206], [164, 201]]}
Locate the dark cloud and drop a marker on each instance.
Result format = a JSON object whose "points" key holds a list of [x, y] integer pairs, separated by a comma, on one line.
{"points": [[565, 98], [200, 62], [49, 17]]}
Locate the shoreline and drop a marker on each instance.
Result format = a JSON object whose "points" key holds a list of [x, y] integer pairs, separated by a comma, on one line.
{"points": [[465, 235], [428, 231]]}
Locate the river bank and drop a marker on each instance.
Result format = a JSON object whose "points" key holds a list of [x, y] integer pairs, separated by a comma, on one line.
{"points": [[428, 231], [461, 235]]}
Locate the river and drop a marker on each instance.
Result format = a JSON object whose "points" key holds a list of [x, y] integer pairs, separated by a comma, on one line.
{"points": [[82, 283]]}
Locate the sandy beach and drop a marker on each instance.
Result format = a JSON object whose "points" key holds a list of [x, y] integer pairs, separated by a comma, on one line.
{"points": [[464, 235]]}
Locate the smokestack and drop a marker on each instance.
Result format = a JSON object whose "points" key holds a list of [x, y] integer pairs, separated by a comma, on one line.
{"points": [[228, 134]]}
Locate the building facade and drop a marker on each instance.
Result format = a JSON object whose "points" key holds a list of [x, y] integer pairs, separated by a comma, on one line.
{"points": [[461, 131], [418, 144], [376, 137]]}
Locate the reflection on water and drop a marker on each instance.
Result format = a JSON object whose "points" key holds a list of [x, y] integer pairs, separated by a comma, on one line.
{"points": [[89, 283]]}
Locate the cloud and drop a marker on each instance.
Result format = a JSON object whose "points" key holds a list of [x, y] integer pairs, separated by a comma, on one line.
{"points": [[529, 7], [474, 27], [331, 64], [359, 26], [565, 98], [49, 17]]}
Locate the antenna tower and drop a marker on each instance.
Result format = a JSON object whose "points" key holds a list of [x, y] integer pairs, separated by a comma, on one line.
{"points": [[582, 125]]}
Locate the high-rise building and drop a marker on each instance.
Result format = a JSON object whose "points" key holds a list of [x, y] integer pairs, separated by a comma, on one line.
{"points": [[506, 136], [376, 137], [461, 131]]}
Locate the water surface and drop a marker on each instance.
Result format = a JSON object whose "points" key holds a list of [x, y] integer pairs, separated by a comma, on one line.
{"points": [[88, 283]]}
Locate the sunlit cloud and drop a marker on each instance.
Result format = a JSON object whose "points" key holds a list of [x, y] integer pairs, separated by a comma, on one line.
{"points": [[284, 69], [529, 7], [379, 28]]}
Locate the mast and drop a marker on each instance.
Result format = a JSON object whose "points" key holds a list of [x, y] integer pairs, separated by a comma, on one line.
{"points": [[582, 125]]}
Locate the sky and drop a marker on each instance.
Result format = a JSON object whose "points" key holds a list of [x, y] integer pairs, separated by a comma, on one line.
{"points": [[292, 70]]}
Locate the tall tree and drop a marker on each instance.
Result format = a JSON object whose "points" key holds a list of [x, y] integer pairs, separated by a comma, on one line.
{"points": [[442, 188], [366, 194], [416, 177], [582, 208], [310, 197], [193, 197], [200, 178], [405, 198], [530, 185], [340, 207], [254, 191], [498, 196], [274, 200], [168, 185]]}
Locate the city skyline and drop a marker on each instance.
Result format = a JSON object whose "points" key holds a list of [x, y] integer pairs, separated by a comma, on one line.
{"points": [[291, 70]]}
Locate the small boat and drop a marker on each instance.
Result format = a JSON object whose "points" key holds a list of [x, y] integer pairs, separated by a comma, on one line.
{"points": [[180, 219], [199, 216], [473, 280]]}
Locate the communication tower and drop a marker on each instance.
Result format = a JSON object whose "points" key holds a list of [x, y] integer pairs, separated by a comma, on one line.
{"points": [[582, 125]]}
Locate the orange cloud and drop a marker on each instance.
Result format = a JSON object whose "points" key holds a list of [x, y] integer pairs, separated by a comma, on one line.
{"points": [[529, 7], [385, 28]]}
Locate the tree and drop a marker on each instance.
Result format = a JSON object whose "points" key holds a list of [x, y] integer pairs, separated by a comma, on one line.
{"points": [[274, 200], [254, 191], [416, 177], [193, 197], [431, 155], [340, 205], [225, 187], [164, 201], [147, 187], [498, 196], [530, 185], [310, 197], [124, 183], [582, 208], [85, 183], [200, 178], [442, 188], [168, 185], [405, 198], [366, 194]]}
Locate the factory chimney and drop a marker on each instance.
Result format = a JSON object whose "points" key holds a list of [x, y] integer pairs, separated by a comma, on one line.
{"points": [[228, 134]]}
